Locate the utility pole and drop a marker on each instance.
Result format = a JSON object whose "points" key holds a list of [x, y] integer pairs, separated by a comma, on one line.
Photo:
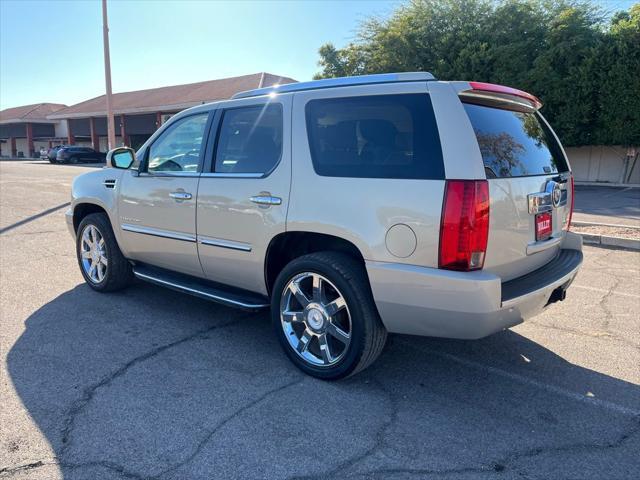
{"points": [[111, 132]]}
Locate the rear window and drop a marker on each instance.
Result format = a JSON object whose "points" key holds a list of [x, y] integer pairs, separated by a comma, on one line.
{"points": [[513, 143], [381, 136]]}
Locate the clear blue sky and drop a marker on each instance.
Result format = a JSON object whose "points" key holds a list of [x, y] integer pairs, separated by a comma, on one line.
{"points": [[51, 51]]}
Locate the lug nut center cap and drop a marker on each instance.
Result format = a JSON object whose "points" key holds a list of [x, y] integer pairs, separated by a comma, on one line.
{"points": [[315, 318]]}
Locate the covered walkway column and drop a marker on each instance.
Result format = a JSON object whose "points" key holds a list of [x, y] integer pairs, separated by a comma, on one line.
{"points": [[12, 145], [123, 131], [158, 120], [71, 140], [30, 147], [95, 141]]}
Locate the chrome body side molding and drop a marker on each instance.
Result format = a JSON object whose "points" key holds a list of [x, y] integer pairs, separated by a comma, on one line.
{"points": [[230, 244], [156, 232]]}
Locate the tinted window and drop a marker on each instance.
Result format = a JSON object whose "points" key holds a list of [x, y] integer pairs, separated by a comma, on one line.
{"points": [[514, 144], [250, 140], [382, 136], [178, 148]]}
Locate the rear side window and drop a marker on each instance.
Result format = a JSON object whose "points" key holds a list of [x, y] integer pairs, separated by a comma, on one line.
{"points": [[250, 139], [381, 136], [513, 143]]}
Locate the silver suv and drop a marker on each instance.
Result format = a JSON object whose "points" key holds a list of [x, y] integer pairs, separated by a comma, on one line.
{"points": [[350, 207]]}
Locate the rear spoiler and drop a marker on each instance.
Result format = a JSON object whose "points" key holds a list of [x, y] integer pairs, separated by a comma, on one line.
{"points": [[491, 93]]}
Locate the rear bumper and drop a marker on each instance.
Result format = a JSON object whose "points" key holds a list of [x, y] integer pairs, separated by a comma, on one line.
{"points": [[427, 301]]}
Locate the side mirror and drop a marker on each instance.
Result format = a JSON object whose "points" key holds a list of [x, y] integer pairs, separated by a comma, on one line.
{"points": [[121, 157]]}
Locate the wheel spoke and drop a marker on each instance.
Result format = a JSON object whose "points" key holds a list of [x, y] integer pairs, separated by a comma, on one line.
{"points": [[292, 317], [92, 271], [86, 254], [305, 340], [317, 288], [86, 238], [334, 307], [300, 296], [337, 333], [103, 260], [325, 350]]}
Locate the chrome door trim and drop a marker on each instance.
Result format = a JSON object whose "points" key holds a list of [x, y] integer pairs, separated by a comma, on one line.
{"points": [[200, 293], [168, 174], [232, 175], [156, 232], [219, 242]]}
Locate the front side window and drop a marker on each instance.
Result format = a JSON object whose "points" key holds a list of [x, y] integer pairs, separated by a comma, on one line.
{"points": [[514, 143], [250, 140], [378, 136], [178, 148]]}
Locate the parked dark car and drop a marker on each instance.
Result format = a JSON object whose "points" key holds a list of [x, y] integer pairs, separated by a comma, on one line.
{"points": [[79, 154]]}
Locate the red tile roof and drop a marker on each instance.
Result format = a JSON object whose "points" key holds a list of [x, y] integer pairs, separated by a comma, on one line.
{"points": [[177, 97], [30, 113]]}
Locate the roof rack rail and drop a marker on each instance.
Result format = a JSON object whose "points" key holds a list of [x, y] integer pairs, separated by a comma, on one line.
{"points": [[338, 82]]}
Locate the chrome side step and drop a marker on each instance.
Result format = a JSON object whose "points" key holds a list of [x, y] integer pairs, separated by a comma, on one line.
{"points": [[204, 289]]}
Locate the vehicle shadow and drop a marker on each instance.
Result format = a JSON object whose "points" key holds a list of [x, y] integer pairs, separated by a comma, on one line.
{"points": [[149, 383]]}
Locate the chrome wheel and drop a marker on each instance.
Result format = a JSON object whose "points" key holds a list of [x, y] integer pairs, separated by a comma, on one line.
{"points": [[93, 253], [315, 319]]}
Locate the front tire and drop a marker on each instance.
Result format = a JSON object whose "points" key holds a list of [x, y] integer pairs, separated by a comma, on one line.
{"points": [[324, 315], [101, 262]]}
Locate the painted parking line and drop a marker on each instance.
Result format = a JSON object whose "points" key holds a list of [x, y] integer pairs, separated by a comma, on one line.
{"points": [[604, 290], [584, 398]]}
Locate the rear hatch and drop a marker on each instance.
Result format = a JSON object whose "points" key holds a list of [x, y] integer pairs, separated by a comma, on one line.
{"points": [[530, 185]]}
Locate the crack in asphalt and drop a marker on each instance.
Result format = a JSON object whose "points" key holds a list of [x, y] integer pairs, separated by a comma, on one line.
{"points": [[605, 335], [200, 446], [379, 439], [505, 463], [89, 393], [114, 467]]}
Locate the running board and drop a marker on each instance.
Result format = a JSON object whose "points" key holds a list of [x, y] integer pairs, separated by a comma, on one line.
{"points": [[229, 296]]}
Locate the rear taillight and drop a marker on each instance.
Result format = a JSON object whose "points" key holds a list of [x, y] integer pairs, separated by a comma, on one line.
{"points": [[573, 202], [464, 226]]}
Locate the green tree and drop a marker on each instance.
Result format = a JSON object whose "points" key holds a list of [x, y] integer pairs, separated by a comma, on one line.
{"points": [[618, 76], [584, 69]]}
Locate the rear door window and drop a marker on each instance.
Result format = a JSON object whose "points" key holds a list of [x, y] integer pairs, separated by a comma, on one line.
{"points": [[250, 140], [514, 143], [377, 136]]}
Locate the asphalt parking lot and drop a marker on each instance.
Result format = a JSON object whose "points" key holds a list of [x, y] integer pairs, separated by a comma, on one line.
{"points": [[149, 383], [600, 204]]}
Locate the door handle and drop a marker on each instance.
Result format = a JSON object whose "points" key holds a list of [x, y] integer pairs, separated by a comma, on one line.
{"points": [[266, 200], [181, 195]]}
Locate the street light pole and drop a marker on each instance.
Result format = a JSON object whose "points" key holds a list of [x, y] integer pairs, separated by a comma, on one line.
{"points": [[111, 132]]}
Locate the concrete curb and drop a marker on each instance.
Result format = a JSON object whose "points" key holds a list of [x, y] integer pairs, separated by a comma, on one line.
{"points": [[605, 184], [598, 224], [605, 241]]}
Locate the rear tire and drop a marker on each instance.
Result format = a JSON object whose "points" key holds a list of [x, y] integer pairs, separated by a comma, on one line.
{"points": [[338, 332], [101, 262]]}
